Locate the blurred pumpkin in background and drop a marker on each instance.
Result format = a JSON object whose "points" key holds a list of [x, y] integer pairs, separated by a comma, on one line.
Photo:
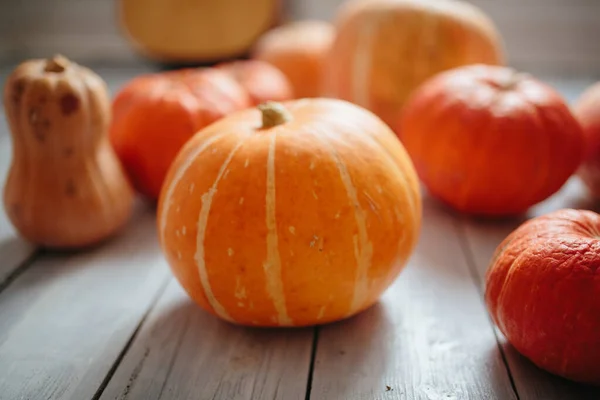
{"points": [[587, 112], [299, 50], [196, 31], [487, 140], [384, 49], [155, 114], [262, 81], [296, 213]]}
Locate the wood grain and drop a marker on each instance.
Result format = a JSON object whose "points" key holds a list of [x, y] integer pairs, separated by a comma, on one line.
{"points": [[182, 353], [481, 239], [67, 318], [428, 338]]}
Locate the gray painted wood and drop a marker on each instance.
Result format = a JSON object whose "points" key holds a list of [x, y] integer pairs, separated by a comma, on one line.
{"points": [[428, 338], [67, 318], [184, 353]]}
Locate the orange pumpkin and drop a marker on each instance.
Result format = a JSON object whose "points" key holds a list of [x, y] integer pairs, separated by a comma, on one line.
{"points": [[587, 112], [155, 114], [543, 292], [261, 80], [299, 214], [384, 49], [487, 140], [299, 50]]}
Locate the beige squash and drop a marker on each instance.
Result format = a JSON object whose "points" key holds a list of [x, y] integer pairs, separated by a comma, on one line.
{"points": [[65, 187], [190, 31], [384, 49]]}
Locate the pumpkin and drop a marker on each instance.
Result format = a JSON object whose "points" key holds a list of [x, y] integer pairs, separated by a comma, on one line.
{"points": [[155, 114], [293, 214], [299, 49], [198, 31], [65, 187], [262, 81], [587, 112], [543, 292], [488, 140], [384, 49]]}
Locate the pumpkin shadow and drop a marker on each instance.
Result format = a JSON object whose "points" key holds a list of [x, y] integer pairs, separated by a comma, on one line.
{"points": [[525, 371], [361, 350], [208, 353]]}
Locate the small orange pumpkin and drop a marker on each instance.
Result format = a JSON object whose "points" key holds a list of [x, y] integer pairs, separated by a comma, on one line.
{"points": [[298, 214], [155, 114], [299, 50], [587, 112], [543, 292], [262, 81], [487, 140], [384, 49]]}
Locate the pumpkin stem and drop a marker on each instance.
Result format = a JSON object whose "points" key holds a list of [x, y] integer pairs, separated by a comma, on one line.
{"points": [[273, 114], [512, 81], [56, 64]]}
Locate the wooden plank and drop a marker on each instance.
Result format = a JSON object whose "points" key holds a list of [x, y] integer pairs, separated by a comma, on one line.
{"points": [[428, 338], [184, 353], [65, 321]]}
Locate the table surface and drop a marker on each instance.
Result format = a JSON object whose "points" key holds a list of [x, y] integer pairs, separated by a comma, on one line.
{"points": [[112, 323]]}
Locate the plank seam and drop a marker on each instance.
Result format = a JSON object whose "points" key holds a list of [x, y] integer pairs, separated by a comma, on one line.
{"points": [[459, 225], [130, 341], [311, 367], [21, 268], [174, 357]]}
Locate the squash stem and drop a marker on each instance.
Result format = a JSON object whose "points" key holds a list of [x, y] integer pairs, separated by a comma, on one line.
{"points": [[56, 64], [273, 114]]}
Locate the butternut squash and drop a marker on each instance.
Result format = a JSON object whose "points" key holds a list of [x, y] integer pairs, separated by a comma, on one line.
{"points": [[65, 187]]}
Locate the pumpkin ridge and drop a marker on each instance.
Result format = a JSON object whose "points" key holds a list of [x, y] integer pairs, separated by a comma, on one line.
{"points": [[207, 198], [361, 66], [272, 265], [363, 248], [177, 176], [541, 183], [393, 162]]}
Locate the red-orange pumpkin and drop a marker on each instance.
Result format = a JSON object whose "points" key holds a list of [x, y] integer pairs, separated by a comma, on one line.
{"points": [[487, 140], [155, 114], [543, 292], [261, 80], [587, 112], [301, 219], [299, 49]]}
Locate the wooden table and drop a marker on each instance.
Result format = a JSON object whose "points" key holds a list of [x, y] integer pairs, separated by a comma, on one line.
{"points": [[112, 323]]}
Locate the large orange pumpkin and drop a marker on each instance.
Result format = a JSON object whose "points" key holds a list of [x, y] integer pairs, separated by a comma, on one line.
{"points": [[155, 114], [299, 50], [587, 112], [384, 49], [299, 215], [487, 140], [543, 292], [263, 82]]}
